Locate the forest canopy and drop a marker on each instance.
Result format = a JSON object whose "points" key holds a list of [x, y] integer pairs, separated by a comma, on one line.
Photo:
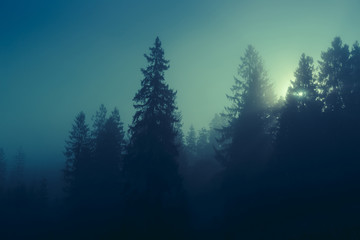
{"points": [[263, 168]]}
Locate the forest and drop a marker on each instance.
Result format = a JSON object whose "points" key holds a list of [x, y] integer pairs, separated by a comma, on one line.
{"points": [[264, 168]]}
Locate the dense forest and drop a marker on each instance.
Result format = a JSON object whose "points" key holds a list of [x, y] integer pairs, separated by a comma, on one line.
{"points": [[264, 168]]}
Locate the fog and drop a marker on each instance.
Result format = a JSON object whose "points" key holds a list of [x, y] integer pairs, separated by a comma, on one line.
{"points": [[60, 58]]}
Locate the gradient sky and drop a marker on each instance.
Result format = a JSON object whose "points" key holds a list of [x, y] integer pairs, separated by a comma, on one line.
{"points": [[60, 57]]}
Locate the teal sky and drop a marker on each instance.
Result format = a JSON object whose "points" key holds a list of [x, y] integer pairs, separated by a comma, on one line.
{"points": [[60, 57]]}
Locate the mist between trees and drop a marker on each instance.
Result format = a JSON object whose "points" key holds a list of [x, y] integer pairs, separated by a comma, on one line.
{"points": [[263, 169]]}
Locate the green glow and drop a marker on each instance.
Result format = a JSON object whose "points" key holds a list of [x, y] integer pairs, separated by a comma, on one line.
{"points": [[60, 58]]}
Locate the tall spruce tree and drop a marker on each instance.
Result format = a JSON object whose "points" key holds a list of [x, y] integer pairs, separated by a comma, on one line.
{"points": [[151, 165], [191, 143], [108, 154], [99, 121], [302, 94], [298, 137], [337, 88], [247, 129], [77, 171], [108, 144], [334, 75], [354, 92], [203, 146], [217, 123], [354, 83], [246, 142]]}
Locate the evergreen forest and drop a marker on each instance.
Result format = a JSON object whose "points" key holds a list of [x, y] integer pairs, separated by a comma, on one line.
{"points": [[263, 168]]}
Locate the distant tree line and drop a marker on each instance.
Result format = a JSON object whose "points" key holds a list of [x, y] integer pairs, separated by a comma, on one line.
{"points": [[263, 169]]}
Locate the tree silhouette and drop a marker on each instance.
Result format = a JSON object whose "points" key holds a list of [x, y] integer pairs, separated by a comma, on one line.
{"points": [[246, 141], [338, 85], [251, 98], [151, 166], [77, 171], [108, 155], [300, 123], [353, 100], [191, 143], [203, 146], [99, 121], [334, 75], [217, 123]]}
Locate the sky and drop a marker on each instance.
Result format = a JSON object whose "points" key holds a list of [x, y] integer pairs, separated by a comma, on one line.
{"points": [[58, 58]]}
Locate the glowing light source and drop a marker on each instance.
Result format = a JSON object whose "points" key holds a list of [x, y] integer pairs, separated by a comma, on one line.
{"points": [[300, 94]]}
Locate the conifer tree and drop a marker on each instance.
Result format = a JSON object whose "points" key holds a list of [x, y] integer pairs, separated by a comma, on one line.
{"points": [[302, 92], [337, 88], [77, 165], [108, 143], [99, 121], [334, 75], [247, 128], [191, 142], [354, 83], [108, 157], [151, 165], [298, 136], [246, 142], [153, 131], [217, 123], [203, 145]]}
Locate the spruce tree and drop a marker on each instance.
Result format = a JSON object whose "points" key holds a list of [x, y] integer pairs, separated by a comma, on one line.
{"points": [[77, 171], [302, 101], [334, 75], [217, 123], [203, 147], [153, 131], [108, 156], [337, 87], [303, 91], [354, 83], [245, 144], [99, 121], [108, 144], [247, 129], [151, 165], [299, 134], [191, 143]]}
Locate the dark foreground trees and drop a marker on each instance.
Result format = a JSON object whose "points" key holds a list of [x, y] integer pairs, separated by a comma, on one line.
{"points": [[287, 172], [315, 171]]}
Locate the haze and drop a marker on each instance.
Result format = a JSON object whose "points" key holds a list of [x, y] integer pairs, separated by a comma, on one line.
{"points": [[61, 57]]}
